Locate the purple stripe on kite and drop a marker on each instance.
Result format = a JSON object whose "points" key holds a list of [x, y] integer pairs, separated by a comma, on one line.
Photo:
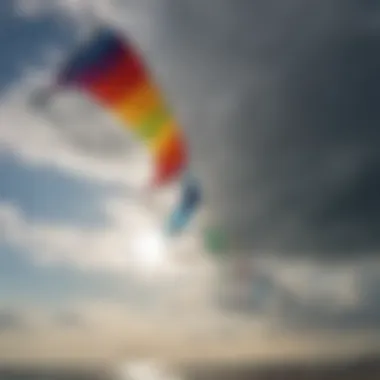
{"points": [[99, 53], [100, 69]]}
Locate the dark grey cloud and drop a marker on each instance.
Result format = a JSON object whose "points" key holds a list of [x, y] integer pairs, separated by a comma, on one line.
{"points": [[299, 316], [331, 298], [280, 102]]}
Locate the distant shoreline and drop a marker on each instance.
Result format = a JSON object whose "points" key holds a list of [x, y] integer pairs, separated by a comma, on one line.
{"points": [[360, 368]]}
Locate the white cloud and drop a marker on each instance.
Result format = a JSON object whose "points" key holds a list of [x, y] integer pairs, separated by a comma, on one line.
{"points": [[108, 248], [177, 289], [72, 144]]}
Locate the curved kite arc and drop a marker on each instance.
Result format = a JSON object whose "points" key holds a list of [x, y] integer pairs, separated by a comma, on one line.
{"points": [[109, 70]]}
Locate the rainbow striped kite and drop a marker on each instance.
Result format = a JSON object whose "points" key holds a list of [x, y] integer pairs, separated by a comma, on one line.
{"points": [[112, 73], [109, 70]]}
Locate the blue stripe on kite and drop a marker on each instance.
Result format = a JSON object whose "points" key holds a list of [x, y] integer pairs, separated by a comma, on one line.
{"points": [[191, 197]]}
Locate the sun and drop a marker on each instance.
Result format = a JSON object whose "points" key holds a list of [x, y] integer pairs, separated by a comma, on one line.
{"points": [[149, 249]]}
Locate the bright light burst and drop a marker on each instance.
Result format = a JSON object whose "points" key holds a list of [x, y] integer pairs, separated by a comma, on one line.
{"points": [[150, 250]]}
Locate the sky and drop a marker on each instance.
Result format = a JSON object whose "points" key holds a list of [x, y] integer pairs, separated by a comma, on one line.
{"points": [[278, 100]]}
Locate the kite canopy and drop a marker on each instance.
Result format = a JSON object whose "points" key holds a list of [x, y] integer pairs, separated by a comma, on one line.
{"points": [[110, 71]]}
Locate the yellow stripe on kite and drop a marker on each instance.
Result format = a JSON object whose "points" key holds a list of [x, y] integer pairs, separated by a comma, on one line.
{"points": [[166, 133], [142, 101]]}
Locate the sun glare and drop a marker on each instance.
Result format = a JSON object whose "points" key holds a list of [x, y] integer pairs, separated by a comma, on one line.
{"points": [[150, 249]]}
